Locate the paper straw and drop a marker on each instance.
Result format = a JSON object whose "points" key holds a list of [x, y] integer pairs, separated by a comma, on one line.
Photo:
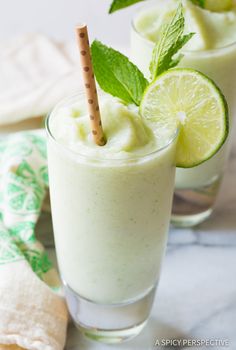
{"points": [[90, 85]]}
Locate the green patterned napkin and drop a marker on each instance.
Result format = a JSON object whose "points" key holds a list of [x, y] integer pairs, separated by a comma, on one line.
{"points": [[23, 185], [32, 315]]}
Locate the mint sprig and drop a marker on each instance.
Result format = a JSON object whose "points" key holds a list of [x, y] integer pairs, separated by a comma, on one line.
{"points": [[171, 41], [119, 77], [116, 75], [120, 4]]}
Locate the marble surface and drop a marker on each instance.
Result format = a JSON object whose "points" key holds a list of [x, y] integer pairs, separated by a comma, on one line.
{"points": [[196, 298]]}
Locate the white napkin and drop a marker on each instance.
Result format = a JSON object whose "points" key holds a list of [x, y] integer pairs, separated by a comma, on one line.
{"points": [[35, 73]]}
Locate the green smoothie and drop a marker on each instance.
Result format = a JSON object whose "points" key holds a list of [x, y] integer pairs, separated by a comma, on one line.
{"points": [[112, 212]]}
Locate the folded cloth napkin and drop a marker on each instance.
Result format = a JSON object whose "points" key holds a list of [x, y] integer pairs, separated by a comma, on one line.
{"points": [[33, 315], [35, 73]]}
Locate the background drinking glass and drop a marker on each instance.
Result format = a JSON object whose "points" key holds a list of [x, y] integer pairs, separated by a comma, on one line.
{"points": [[196, 189]]}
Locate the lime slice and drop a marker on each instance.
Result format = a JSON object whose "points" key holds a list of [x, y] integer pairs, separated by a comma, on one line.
{"points": [[189, 100], [218, 5]]}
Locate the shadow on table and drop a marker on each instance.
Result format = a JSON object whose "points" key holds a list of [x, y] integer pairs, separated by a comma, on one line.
{"points": [[223, 217], [222, 223]]}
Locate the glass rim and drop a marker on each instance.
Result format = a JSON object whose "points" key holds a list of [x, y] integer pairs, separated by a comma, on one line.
{"points": [[196, 53], [80, 155]]}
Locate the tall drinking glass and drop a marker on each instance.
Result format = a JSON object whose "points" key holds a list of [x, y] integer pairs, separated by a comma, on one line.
{"points": [[110, 219], [196, 189]]}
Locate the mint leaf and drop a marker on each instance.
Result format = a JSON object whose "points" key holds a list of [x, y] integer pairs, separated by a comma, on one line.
{"points": [[120, 4], [171, 41], [200, 3], [116, 75]]}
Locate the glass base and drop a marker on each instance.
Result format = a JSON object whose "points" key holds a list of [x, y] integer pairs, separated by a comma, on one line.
{"points": [[185, 221], [111, 336], [193, 206], [109, 323]]}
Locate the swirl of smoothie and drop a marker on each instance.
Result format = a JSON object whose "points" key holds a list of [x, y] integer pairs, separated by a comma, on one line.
{"points": [[212, 29], [127, 133]]}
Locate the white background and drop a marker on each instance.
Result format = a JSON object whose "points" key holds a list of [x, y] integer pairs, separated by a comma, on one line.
{"points": [[57, 19]]}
